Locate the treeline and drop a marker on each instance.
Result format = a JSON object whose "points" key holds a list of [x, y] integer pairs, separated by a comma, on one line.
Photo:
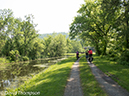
{"points": [[19, 40], [104, 24], [45, 35]]}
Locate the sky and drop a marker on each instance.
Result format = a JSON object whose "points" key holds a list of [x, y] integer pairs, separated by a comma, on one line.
{"points": [[50, 15]]}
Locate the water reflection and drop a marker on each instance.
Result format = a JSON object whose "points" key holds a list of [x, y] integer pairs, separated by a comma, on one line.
{"points": [[16, 74]]}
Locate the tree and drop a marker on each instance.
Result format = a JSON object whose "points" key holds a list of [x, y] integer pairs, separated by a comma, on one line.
{"points": [[29, 33], [46, 43], [69, 46], [76, 46], [5, 21], [95, 23], [57, 47], [36, 49]]}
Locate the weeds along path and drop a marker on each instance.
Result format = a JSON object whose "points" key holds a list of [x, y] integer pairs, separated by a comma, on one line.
{"points": [[109, 85], [73, 87]]}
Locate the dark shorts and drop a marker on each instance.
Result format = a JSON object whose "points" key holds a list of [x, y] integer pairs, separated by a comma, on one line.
{"points": [[90, 55]]}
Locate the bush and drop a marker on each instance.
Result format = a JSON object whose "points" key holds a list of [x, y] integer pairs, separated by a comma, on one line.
{"points": [[4, 60], [14, 55], [25, 58], [124, 58]]}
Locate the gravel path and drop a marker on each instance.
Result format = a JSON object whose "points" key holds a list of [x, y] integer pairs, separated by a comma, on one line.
{"points": [[73, 87], [109, 85]]}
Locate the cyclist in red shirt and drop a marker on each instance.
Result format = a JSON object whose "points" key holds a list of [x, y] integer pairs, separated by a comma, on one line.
{"points": [[90, 53], [90, 56]]}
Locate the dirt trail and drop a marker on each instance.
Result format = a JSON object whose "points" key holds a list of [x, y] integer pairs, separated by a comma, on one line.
{"points": [[73, 87], [109, 85]]}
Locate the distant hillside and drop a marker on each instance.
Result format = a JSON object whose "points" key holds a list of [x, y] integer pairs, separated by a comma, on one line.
{"points": [[41, 36]]}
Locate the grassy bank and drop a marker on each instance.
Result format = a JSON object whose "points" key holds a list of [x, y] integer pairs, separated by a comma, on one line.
{"points": [[50, 82], [117, 72], [89, 84]]}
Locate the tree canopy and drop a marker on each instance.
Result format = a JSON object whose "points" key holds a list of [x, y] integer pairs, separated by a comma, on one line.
{"points": [[103, 24]]}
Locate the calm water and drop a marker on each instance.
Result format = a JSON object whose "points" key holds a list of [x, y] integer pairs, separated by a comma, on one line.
{"points": [[16, 74]]}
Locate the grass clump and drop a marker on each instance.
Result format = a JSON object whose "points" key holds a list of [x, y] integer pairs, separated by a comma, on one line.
{"points": [[50, 82], [89, 84], [118, 72]]}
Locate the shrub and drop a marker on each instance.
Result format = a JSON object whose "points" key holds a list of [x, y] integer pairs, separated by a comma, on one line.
{"points": [[14, 55], [25, 58], [4, 60], [124, 58]]}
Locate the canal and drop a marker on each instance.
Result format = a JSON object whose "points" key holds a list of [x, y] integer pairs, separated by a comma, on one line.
{"points": [[16, 74]]}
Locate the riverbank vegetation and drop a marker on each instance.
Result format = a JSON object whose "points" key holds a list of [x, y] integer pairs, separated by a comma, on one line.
{"points": [[104, 25]]}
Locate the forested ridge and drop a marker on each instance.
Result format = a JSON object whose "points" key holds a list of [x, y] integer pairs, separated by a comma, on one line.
{"points": [[104, 24], [41, 36], [20, 40]]}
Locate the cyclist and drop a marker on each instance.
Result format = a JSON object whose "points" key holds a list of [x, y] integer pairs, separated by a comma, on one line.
{"points": [[90, 55], [77, 54]]}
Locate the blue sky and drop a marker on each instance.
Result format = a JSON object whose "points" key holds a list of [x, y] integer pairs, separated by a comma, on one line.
{"points": [[50, 15]]}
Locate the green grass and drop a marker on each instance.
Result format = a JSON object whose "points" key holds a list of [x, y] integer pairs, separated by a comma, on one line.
{"points": [[50, 82], [89, 84], [120, 72]]}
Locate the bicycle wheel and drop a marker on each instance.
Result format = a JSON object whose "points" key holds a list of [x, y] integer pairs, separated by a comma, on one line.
{"points": [[90, 59]]}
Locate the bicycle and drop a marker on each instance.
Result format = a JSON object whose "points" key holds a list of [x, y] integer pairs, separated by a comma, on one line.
{"points": [[77, 57], [90, 59]]}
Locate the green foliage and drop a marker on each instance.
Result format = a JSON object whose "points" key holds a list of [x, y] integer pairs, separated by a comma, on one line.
{"points": [[42, 36], [4, 60], [18, 35], [124, 58], [7, 47], [14, 55], [103, 24], [5, 20], [55, 46], [36, 50], [21, 35], [76, 46], [29, 33], [69, 45], [25, 58]]}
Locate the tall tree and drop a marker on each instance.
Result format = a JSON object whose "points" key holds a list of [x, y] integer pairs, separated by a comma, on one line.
{"points": [[95, 23], [29, 32], [5, 21]]}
